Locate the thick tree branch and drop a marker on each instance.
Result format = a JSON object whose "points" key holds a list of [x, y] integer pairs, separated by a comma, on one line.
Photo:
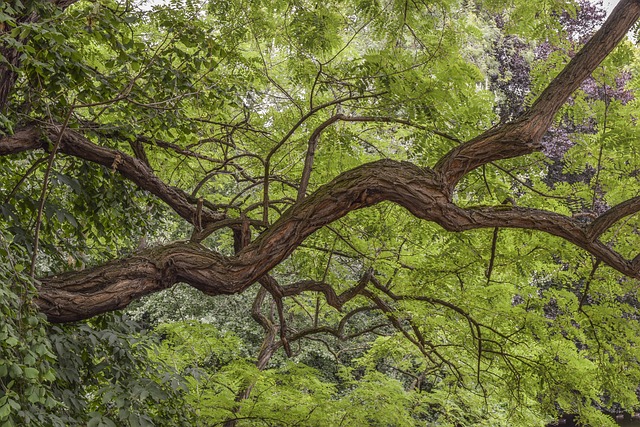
{"points": [[82, 294], [523, 135], [27, 139], [616, 27]]}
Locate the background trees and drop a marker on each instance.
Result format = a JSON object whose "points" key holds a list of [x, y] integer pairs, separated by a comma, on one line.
{"points": [[233, 146]]}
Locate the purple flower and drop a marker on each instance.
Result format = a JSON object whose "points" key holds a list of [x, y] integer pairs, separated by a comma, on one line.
{"points": [[556, 142]]}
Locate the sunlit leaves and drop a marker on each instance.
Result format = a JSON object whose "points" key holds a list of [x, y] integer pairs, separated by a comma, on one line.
{"points": [[228, 100]]}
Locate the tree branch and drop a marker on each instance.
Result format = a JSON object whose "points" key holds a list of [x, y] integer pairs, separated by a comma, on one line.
{"points": [[330, 295], [523, 135], [613, 215], [133, 169], [82, 294]]}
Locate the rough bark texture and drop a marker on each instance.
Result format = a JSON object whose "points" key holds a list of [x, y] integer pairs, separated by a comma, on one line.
{"points": [[426, 193], [524, 134]]}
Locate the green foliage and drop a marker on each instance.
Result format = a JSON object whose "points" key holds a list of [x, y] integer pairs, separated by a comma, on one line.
{"points": [[289, 394], [106, 377], [82, 204], [96, 373], [478, 328], [27, 362]]}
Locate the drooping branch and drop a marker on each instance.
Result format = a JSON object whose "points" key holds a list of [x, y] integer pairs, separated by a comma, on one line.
{"points": [[492, 255], [270, 345], [417, 339], [131, 168]]}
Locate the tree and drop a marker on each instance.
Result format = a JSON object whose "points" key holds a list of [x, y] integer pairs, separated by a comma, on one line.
{"points": [[267, 129]]}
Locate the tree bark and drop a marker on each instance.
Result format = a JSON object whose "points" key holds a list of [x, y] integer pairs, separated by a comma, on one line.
{"points": [[82, 294], [426, 193]]}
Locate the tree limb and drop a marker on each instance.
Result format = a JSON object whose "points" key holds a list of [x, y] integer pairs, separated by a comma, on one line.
{"points": [[133, 169], [523, 135], [83, 294]]}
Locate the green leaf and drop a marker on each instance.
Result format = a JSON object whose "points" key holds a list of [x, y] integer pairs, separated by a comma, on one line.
{"points": [[30, 373]]}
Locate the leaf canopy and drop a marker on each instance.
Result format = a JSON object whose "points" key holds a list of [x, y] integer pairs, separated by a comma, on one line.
{"points": [[308, 158]]}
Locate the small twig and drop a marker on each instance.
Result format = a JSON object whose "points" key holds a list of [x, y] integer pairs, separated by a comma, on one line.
{"points": [[43, 193], [587, 284], [494, 243], [486, 183]]}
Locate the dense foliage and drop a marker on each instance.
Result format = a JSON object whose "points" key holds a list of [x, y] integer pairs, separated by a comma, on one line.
{"points": [[279, 194]]}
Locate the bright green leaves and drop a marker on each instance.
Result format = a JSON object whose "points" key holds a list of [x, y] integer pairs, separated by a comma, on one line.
{"points": [[315, 27], [189, 345], [525, 18], [537, 323], [286, 394]]}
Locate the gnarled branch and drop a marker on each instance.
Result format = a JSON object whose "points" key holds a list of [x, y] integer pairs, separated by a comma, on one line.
{"points": [[424, 192], [403, 183]]}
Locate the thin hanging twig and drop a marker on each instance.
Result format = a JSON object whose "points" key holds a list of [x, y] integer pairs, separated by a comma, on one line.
{"points": [[43, 193]]}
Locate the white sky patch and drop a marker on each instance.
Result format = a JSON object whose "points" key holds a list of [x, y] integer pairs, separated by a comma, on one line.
{"points": [[609, 5]]}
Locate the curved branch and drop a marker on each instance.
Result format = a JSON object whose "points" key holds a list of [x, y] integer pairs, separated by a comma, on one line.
{"points": [[613, 215], [82, 294], [300, 122], [315, 137], [523, 135], [133, 169], [334, 300]]}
